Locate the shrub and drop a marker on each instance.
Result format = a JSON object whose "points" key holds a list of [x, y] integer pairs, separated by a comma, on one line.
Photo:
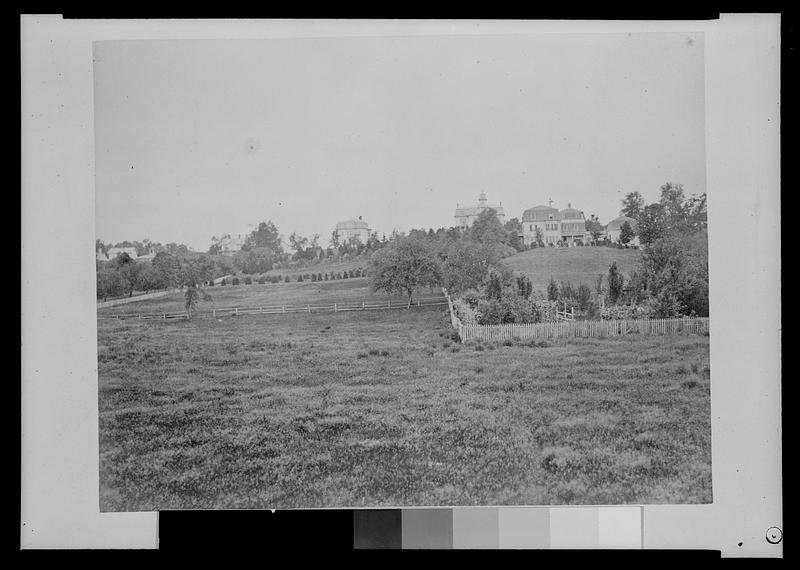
{"points": [[248, 280], [326, 276], [465, 312], [235, 281], [319, 276], [300, 278], [262, 280], [286, 279], [313, 277], [223, 282]]}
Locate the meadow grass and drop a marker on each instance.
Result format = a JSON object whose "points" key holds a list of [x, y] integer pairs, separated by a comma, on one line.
{"points": [[577, 265], [306, 292], [385, 409]]}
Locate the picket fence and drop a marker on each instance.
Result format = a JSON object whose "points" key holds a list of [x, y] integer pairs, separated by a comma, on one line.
{"points": [[279, 309], [582, 329], [572, 328]]}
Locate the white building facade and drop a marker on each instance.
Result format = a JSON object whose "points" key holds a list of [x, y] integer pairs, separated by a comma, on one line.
{"points": [[352, 229], [567, 226], [465, 216]]}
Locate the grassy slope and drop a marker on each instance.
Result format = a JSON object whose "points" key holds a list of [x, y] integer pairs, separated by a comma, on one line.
{"points": [[374, 409], [578, 265], [322, 292]]}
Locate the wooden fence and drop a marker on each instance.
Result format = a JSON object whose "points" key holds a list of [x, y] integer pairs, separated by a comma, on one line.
{"points": [[134, 298], [565, 329], [280, 309]]}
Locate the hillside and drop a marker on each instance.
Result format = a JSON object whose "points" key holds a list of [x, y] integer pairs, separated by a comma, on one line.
{"points": [[578, 265]]}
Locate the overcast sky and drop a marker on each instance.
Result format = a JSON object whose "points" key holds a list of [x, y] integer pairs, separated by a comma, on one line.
{"points": [[201, 138]]}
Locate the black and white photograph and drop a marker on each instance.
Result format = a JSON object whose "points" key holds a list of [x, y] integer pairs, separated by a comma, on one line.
{"points": [[399, 271]]}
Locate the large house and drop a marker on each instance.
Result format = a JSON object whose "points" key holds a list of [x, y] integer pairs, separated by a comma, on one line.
{"points": [[567, 226], [614, 229], [115, 251], [465, 216], [229, 246], [353, 229]]}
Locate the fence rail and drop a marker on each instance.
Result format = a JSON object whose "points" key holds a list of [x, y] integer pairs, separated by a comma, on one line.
{"points": [[583, 329], [279, 309]]}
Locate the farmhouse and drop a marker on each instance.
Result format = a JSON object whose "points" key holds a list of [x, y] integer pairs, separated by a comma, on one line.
{"points": [[115, 251], [465, 216], [229, 246], [554, 226], [353, 229], [614, 229]]}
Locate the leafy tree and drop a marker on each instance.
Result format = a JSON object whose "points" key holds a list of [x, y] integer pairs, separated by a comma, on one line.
{"points": [[552, 290], [626, 233], [513, 229], [652, 224], [487, 229], [404, 265], [466, 265], [109, 283], [191, 296], [538, 236], [583, 297], [265, 236], [632, 206], [616, 283], [594, 227], [524, 286]]}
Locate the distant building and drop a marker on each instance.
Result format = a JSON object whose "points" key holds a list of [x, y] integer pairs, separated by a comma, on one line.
{"points": [[353, 229], [567, 226], [465, 216], [229, 246], [614, 229], [115, 251]]}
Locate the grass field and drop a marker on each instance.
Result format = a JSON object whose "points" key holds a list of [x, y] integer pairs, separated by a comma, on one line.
{"points": [[383, 409], [578, 265], [324, 292]]}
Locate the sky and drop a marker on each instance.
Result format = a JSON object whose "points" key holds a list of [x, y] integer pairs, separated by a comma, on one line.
{"points": [[195, 139]]}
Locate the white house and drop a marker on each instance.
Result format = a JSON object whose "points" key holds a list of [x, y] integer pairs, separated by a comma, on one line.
{"points": [[566, 226], [465, 216], [353, 229], [115, 251]]}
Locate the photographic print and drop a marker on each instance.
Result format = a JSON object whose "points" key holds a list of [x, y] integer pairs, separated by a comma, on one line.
{"points": [[402, 271]]}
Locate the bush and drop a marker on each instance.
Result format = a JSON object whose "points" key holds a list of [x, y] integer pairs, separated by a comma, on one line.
{"points": [[223, 282], [319, 276], [235, 281], [248, 280], [300, 278], [262, 280], [326, 277], [286, 279], [465, 312]]}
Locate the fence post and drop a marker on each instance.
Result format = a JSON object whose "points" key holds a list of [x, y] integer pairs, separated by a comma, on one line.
{"points": [[308, 307], [165, 316], [334, 307], [363, 305], [390, 303], [214, 313], [283, 308]]}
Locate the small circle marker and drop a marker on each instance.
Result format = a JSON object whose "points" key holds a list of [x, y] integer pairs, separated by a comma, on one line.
{"points": [[774, 535]]}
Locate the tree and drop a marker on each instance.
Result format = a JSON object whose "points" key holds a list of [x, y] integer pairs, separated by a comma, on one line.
{"points": [[594, 227], [487, 229], [538, 237], [466, 266], [524, 286], [652, 224], [616, 283], [552, 290], [191, 297], [632, 205], [513, 229], [265, 236], [109, 283], [404, 265], [625, 233]]}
